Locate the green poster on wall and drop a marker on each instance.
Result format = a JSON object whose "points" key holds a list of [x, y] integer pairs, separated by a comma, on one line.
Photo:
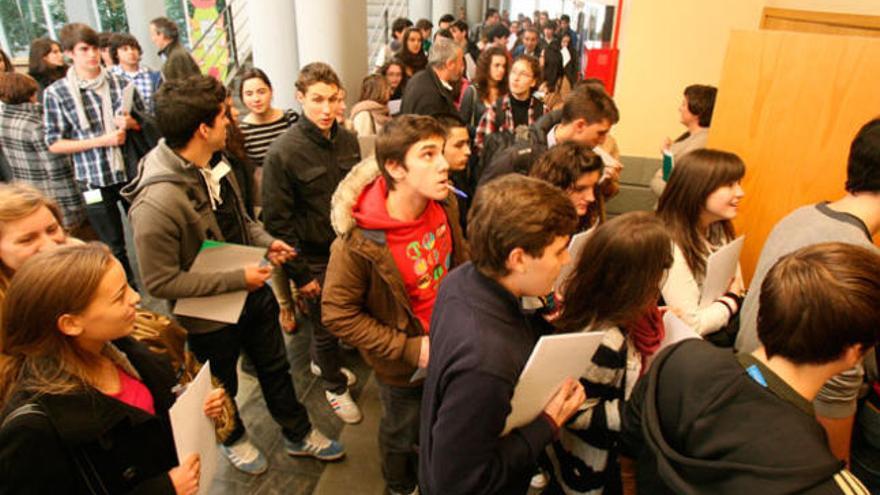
{"points": [[208, 36]]}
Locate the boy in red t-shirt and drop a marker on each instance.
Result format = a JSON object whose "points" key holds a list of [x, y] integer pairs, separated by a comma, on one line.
{"points": [[399, 235]]}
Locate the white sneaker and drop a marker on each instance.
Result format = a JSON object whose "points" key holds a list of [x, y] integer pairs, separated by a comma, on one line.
{"points": [[246, 457], [539, 480], [350, 377], [344, 407]]}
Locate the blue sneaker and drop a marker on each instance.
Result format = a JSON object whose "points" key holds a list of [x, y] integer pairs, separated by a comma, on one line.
{"points": [[316, 445], [246, 457]]}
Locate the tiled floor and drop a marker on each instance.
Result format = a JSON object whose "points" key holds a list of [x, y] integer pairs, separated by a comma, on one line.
{"points": [[286, 475]]}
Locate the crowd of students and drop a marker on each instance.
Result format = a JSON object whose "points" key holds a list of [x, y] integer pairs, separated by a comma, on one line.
{"points": [[427, 228]]}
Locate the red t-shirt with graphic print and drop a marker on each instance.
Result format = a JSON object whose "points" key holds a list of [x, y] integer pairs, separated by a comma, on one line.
{"points": [[422, 248]]}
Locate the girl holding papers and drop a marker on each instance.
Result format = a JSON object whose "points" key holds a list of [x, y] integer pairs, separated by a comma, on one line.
{"points": [[613, 289], [698, 206], [85, 407]]}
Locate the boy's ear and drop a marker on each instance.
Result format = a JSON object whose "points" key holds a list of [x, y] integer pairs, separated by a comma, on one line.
{"points": [[300, 97], [516, 261], [395, 169], [853, 354]]}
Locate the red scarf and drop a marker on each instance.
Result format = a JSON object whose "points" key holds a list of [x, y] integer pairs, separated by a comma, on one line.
{"points": [[647, 333]]}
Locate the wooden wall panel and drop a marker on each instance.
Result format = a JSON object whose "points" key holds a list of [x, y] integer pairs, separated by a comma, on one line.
{"points": [[790, 104], [806, 21]]}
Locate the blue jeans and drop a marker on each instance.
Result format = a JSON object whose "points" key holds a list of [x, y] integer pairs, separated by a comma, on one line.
{"points": [[399, 436]]}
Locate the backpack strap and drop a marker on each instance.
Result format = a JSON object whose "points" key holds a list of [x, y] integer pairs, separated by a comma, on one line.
{"points": [[499, 112], [23, 410]]}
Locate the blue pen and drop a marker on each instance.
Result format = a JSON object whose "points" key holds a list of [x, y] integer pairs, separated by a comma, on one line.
{"points": [[458, 192]]}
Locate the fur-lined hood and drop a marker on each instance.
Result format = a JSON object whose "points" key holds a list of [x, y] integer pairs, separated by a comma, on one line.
{"points": [[347, 193]]}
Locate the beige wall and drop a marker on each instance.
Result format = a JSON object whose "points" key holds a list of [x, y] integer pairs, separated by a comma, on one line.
{"points": [[664, 46]]}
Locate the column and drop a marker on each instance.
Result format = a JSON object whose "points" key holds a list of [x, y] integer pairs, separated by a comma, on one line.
{"points": [[474, 12], [335, 32], [139, 14], [82, 11], [420, 9], [439, 8], [272, 30]]}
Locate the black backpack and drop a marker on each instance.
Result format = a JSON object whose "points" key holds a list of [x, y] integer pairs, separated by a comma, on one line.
{"points": [[500, 140]]}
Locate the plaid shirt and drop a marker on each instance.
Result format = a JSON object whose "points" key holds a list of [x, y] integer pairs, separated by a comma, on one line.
{"points": [[21, 140], [145, 80], [92, 166], [487, 123]]}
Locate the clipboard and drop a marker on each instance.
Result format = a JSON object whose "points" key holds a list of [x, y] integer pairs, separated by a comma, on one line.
{"points": [[554, 358], [127, 98], [193, 431], [720, 268], [213, 257]]}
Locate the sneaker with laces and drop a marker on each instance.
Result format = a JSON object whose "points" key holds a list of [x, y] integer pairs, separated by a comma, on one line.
{"points": [[350, 377], [246, 457], [344, 407], [316, 445], [539, 480]]}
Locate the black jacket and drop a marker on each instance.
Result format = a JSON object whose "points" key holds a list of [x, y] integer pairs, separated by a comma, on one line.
{"points": [[520, 157], [179, 64], [698, 423], [300, 173], [425, 95], [480, 342], [74, 441]]}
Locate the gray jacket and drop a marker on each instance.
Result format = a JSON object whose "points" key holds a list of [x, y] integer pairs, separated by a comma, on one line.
{"points": [[171, 216]]}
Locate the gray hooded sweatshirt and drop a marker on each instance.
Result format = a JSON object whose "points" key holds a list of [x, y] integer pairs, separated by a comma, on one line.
{"points": [[171, 216]]}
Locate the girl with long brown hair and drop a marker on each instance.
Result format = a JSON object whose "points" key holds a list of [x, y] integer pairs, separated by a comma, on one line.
{"points": [[370, 114], [46, 62], [698, 206], [85, 406], [518, 107], [489, 84], [613, 289], [411, 53]]}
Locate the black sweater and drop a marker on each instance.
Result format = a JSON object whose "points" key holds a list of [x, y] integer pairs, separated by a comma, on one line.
{"points": [[300, 172], [698, 423], [480, 341], [426, 95], [121, 449]]}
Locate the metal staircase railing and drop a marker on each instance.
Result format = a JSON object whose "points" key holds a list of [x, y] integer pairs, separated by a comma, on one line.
{"points": [[380, 33], [226, 43]]}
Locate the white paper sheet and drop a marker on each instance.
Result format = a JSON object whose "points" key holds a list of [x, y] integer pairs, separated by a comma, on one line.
{"points": [[676, 331], [608, 161], [720, 269], [575, 246], [193, 431], [555, 358], [394, 106], [219, 257], [127, 98]]}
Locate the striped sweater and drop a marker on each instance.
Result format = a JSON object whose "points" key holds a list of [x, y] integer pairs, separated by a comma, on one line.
{"points": [[258, 137], [584, 457]]}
